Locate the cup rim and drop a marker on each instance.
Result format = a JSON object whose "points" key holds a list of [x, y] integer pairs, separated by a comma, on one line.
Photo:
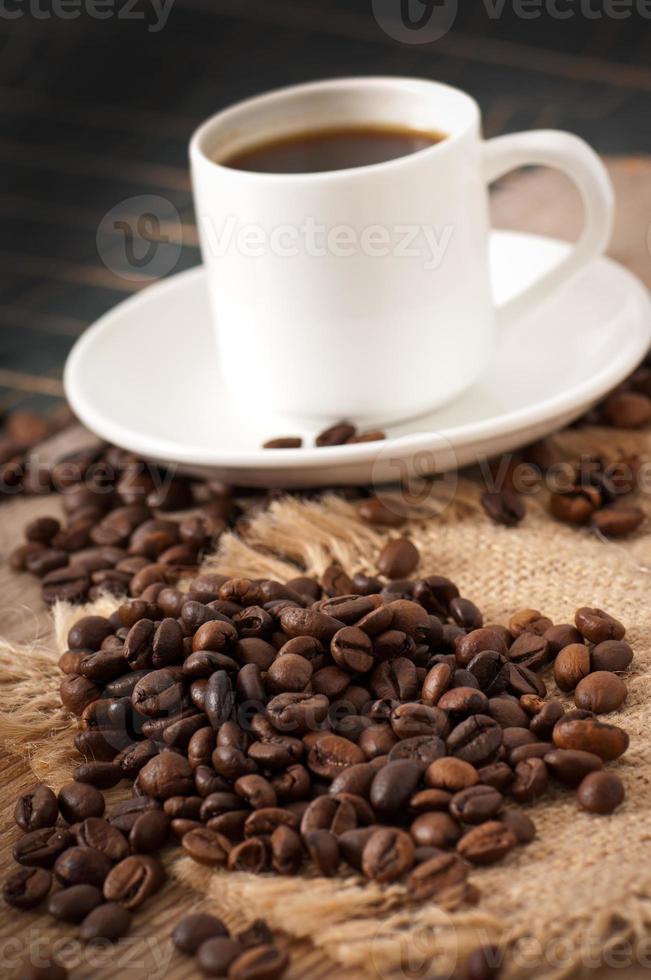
{"points": [[198, 153]]}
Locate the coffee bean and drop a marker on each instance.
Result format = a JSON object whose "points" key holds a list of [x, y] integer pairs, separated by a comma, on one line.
{"points": [[451, 774], [561, 636], [207, 847], [601, 792], [412, 719], [82, 866], [289, 672], [215, 956], [627, 410], [336, 435], [475, 740], [504, 507], [575, 505], [323, 850], [520, 825], [331, 754], [388, 855], [398, 558], [466, 614], [617, 522], [614, 655], [167, 774], [487, 843], [286, 850], [77, 801], [484, 963], [570, 766], [600, 692], [393, 785], [423, 749], [263, 962], [571, 665], [352, 650], [134, 880], [436, 875], [36, 809], [435, 830], [589, 735], [149, 832], [476, 804], [193, 930], [106, 923], [463, 701], [250, 855], [40, 848], [506, 711], [25, 888], [475, 642], [531, 778], [283, 442], [597, 626], [73, 904]]}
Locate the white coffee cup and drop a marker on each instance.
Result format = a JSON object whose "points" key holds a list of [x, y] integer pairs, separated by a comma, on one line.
{"points": [[365, 293]]}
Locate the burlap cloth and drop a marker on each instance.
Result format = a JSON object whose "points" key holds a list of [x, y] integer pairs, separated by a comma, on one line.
{"points": [[578, 897], [582, 886]]}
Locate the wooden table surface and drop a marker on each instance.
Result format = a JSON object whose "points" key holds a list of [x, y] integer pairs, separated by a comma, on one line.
{"points": [[536, 201]]}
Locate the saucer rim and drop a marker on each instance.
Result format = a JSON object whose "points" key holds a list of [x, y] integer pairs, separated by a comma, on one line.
{"points": [[509, 423]]}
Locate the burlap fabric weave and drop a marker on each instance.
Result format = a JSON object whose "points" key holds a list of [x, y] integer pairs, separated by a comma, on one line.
{"points": [[579, 895]]}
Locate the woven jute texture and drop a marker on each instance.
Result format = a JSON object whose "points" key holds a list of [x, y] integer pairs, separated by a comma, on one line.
{"points": [[579, 894]]}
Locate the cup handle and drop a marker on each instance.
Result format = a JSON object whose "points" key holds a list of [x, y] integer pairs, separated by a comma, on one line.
{"points": [[573, 156]]}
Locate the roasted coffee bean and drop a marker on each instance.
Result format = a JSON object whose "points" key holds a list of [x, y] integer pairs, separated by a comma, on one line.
{"points": [[102, 775], [476, 740], [436, 683], [498, 774], [377, 741], [251, 855], [561, 636], [25, 888], [601, 792], [138, 646], [398, 559], [487, 843], [40, 848], [134, 757], [102, 836], [149, 832], [453, 775], [521, 680], [82, 866], [158, 693], [76, 692], [466, 614], [532, 750], [435, 875], [336, 435], [352, 843], [193, 930], [542, 724], [426, 800], [289, 672], [484, 963], [412, 719], [37, 808], [395, 680], [570, 766], [297, 713], [600, 692], [437, 829], [590, 735], [627, 409], [351, 650], [423, 749], [323, 849], [597, 626], [393, 785], [571, 665], [575, 505], [615, 655], [283, 442], [617, 522], [73, 904], [478, 640], [531, 778], [507, 711], [262, 823], [529, 650], [286, 850], [504, 506], [256, 790], [331, 754], [89, 632], [384, 513], [134, 880], [309, 622], [106, 923], [264, 962], [77, 801], [464, 701], [476, 804], [167, 774], [520, 825], [355, 779], [388, 854]]}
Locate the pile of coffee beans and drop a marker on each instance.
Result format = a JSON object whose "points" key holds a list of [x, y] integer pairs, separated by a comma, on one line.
{"points": [[374, 723], [249, 955], [340, 434]]}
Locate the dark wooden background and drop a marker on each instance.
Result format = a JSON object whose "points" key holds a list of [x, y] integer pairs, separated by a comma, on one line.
{"points": [[96, 113]]}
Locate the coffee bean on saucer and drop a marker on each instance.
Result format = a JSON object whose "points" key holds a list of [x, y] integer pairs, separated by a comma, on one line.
{"points": [[375, 436], [193, 930], [601, 792], [336, 435], [284, 442]]}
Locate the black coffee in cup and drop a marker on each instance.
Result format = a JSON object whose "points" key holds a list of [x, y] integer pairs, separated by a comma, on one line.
{"points": [[331, 149]]}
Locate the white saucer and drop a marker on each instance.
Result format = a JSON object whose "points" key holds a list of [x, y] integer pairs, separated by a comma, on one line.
{"points": [[145, 377]]}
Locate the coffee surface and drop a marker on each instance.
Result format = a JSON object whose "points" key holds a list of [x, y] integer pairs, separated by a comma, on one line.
{"points": [[332, 149]]}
